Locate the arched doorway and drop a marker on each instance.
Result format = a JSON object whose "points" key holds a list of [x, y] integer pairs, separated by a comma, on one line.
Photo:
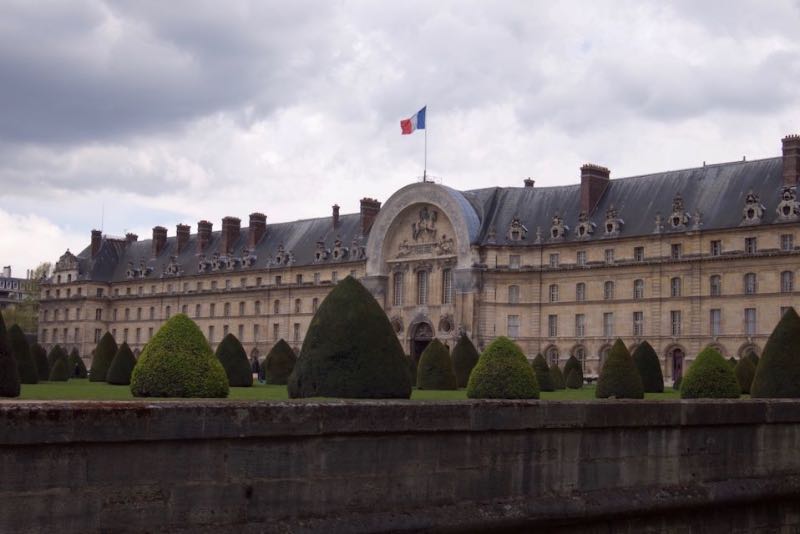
{"points": [[421, 335], [677, 356]]}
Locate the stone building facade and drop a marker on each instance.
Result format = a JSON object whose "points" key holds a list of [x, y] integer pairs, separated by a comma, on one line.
{"points": [[682, 259]]}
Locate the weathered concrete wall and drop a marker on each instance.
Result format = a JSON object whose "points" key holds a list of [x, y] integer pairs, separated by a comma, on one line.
{"points": [[615, 466]]}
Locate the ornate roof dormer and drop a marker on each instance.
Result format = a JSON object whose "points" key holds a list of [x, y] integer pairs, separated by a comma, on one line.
{"points": [[340, 252], [322, 253], [558, 230], [67, 262], [788, 208], [516, 230], [585, 227], [753, 211], [282, 257], [173, 268], [679, 217], [203, 265], [613, 224], [248, 258]]}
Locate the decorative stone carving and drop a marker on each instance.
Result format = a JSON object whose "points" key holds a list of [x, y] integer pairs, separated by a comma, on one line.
{"points": [[397, 324], [282, 257], [753, 211], [659, 227], [516, 230], [425, 227], [698, 220], [445, 246], [322, 253], [142, 270], [585, 227], [203, 265], [679, 218], [173, 268], [614, 223], [558, 230], [357, 250], [491, 237], [67, 262], [446, 324], [538, 239], [788, 208], [248, 259], [340, 252]]}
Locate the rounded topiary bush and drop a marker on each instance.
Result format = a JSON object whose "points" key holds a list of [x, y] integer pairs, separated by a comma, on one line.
{"points": [[542, 373], [710, 377], [745, 372], [573, 363], [279, 363], [435, 368], [502, 372], [465, 356], [76, 364], [28, 373], [619, 377], [233, 358], [557, 377], [574, 379], [103, 356], [649, 368], [350, 350], [178, 362], [40, 359], [60, 371], [778, 371], [119, 373], [9, 374]]}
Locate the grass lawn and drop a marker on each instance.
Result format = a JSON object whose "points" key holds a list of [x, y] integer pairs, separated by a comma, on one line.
{"points": [[82, 389]]}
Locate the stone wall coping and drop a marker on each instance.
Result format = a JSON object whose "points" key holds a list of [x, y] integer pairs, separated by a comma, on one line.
{"points": [[38, 422]]}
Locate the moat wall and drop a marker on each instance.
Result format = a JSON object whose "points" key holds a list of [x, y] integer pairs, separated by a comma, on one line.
{"points": [[211, 466]]}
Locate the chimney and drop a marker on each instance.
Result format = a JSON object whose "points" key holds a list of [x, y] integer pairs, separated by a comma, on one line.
{"points": [[159, 240], [258, 227], [131, 238], [791, 160], [528, 182], [335, 215], [97, 239], [594, 180], [182, 232], [369, 210], [203, 236], [231, 226]]}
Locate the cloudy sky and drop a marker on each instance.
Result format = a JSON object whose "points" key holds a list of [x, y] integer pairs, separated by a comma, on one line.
{"points": [[137, 113]]}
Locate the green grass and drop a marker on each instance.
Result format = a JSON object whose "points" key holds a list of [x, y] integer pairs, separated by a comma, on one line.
{"points": [[82, 389]]}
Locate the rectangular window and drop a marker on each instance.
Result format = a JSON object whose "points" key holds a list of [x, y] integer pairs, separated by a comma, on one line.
{"points": [[334, 276], [675, 287], [609, 255], [447, 286], [787, 242], [96, 335], [276, 331], [638, 289], [138, 335], [241, 308], [397, 290], [676, 251], [149, 333], [513, 261], [513, 326], [213, 284], [299, 278], [554, 293], [212, 308], [675, 318], [580, 325], [241, 332], [243, 282], [716, 247], [255, 333], [211, 333], [749, 322], [316, 278], [608, 324], [124, 335], [99, 292], [98, 314], [127, 313], [638, 253], [77, 337], [580, 292], [200, 285], [580, 258], [750, 245], [185, 288], [196, 311], [278, 280], [715, 322], [224, 330], [554, 260], [422, 288], [296, 333], [168, 312], [552, 325], [185, 309], [638, 324], [138, 314]]}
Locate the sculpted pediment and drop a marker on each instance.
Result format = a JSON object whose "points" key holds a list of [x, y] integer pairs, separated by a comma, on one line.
{"points": [[422, 232]]}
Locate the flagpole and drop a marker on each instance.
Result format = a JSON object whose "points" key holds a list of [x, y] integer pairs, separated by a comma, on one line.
{"points": [[425, 164]]}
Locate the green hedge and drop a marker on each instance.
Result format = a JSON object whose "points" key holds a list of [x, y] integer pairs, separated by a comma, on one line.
{"points": [[60, 371], [103, 356], [465, 357], [350, 350], [233, 358], [575, 379], [619, 377], [649, 368], [76, 364], [178, 362], [778, 372], [279, 363], [435, 368], [733, 362], [557, 377], [745, 372], [28, 373], [542, 373], [710, 377], [502, 372], [119, 373], [40, 359], [9, 374]]}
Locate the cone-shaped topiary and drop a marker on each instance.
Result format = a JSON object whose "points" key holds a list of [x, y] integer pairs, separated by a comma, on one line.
{"points": [[732, 361], [753, 357], [350, 350], [575, 379], [233, 358], [435, 368], [778, 372], [28, 373], [649, 368], [710, 377], [178, 362], [103, 356], [52, 356], [60, 371], [465, 356], [619, 377], [745, 372], [573, 363], [279, 363], [557, 377], [76, 365], [9, 374], [40, 359], [542, 372], [119, 373], [502, 372]]}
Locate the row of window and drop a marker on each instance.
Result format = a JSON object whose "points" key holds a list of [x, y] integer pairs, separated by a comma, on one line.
{"points": [[422, 281]]}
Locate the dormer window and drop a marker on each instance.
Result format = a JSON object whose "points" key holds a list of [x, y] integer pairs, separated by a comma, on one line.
{"points": [[679, 218], [516, 230], [753, 211], [585, 228], [789, 208], [558, 230], [613, 223], [321, 254]]}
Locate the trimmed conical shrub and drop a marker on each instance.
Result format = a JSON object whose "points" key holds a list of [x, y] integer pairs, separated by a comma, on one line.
{"points": [[575, 379], [502, 372], [710, 377], [350, 350], [732, 361], [60, 370], [465, 356], [753, 357], [103, 356], [233, 358], [76, 365], [53, 355], [649, 368], [573, 363], [745, 372], [119, 373], [279, 363], [435, 368], [40, 359], [178, 362], [557, 377], [619, 377], [9, 374], [778, 372], [542, 372], [28, 374]]}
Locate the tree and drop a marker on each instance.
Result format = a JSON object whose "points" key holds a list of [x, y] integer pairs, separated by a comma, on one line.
{"points": [[103, 356], [26, 312], [710, 377], [778, 372], [649, 368], [465, 356], [40, 358], [76, 365], [435, 368], [557, 377], [28, 374], [9, 373], [619, 377], [745, 372], [542, 373], [59, 372], [279, 363], [119, 372], [350, 350], [573, 363], [502, 372], [575, 379], [732, 361], [233, 358]]}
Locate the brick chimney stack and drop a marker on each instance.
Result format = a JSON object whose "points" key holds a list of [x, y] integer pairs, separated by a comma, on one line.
{"points": [[594, 180], [369, 210], [528, 182], [791, 160], [182, 233], [258, 227], [131, 238], [159, 240], [231, 227], [97, 240], [203, 236], [335, 215]]}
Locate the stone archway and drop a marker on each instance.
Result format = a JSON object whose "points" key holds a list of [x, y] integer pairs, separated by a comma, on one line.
{"points": [[675, 358], [421, 335]]}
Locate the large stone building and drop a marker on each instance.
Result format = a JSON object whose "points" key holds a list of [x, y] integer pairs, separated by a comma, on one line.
{"points": [[13, 291], [682, 259]]}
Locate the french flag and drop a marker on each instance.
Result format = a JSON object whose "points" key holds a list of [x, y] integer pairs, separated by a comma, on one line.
{"points": [[417, 122]]}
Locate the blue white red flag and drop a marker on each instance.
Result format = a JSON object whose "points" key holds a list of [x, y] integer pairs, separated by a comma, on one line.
{"points": [[417, 122]]}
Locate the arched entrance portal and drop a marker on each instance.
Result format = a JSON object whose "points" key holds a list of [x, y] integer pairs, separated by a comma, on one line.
{"points": [[677, 362], [421, 335]]}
